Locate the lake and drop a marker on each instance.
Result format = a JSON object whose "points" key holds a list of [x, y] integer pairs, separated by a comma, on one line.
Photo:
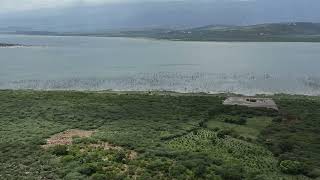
{"points": [[98, 63]]}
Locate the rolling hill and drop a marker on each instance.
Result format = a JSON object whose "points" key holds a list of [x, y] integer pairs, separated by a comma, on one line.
{"points": [[298, 31]]}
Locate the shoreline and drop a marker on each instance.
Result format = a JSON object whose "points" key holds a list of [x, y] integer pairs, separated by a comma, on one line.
{"points": [[163, 39], [8, 45], [160, 93]]}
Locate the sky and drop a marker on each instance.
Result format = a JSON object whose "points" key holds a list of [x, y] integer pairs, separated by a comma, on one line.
{"points": [[91, 15], [22, 5], [7, 6]]}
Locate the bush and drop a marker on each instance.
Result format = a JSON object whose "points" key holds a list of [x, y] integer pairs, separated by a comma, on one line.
{"points": [[74, 176], [291, 167], [88, 169], [98, 176], [177, 170], [231, 172], [314, 173], [203, 124], [240, 121], [67, 158], [120, 157], [224, 132], [60, 150], [277, 119], [286, 146]]}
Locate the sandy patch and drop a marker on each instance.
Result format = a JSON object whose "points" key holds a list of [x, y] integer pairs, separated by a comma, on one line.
{"points": [[65, 138]]}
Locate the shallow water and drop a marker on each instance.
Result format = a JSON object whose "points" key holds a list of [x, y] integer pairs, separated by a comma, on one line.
{"points": [[90, 63]]}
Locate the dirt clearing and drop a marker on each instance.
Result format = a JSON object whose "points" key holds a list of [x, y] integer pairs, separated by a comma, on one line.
{"points": [[251, 102], [65, 138]]}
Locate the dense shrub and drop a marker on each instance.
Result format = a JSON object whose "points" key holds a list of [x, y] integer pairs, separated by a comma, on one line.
{"points": [[60, 150], [286, 146], [178, 170], [241, 111], [225, 132], [277, 119], [120, 156], [231, 172], [147, 124], [296, 136], [88, 169], [314, 173], [239, 121], [98, 176], [291, 167]]}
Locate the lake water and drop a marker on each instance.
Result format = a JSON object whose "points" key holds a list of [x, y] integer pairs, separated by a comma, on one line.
{"points": [[91, 63]]}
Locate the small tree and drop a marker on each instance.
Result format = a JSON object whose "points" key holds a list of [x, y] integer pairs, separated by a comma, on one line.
{"points": [[291, 167], [231, 172], [88, 169], [286, 146], [224, 132], [120, 156], [60, 150]]}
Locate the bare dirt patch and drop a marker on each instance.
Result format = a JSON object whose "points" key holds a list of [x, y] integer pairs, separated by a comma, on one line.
{"points": [[65, 138], [251, 102]]}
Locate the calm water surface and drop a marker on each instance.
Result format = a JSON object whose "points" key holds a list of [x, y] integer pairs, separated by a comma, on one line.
{"points": [[90, 63]]}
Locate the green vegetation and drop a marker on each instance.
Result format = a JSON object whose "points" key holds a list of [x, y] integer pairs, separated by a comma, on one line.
{"points": [[251, 129], [296, 136], [276, 32], [280, 32], [153, 136], [7, 45]]}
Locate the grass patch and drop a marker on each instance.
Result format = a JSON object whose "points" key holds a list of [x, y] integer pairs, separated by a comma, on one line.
{"points": [[251, 129]]}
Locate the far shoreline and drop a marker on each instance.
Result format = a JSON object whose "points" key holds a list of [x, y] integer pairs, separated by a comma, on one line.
{"points": [[9, 45], [160, 39], [158, 93]]}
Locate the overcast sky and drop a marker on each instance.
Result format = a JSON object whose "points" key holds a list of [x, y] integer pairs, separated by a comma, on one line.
{"points": [[18, 5], [21, 5], [69, 15]]}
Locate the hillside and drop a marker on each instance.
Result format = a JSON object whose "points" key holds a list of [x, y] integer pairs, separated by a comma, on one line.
{"points": [[300, 31], [7, 45], [276, 32], [113, 135]]}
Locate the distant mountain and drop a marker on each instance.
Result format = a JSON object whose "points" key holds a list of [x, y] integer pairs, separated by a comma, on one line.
{"points": [[298, 31], [7, 45], [296, 28], [273, 32]]}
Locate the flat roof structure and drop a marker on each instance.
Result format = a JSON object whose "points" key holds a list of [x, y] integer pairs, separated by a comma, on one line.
{"points": [[252, 102]]}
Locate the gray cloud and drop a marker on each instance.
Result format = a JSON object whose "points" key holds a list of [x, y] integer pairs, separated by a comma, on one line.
{"points": [[22, 5]]}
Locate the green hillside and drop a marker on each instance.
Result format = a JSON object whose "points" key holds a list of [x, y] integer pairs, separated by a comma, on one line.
{"points": [[156, 136], [286, 32]]}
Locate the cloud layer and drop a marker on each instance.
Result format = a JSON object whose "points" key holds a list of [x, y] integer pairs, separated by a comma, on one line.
{"points": [[20, 5]]}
